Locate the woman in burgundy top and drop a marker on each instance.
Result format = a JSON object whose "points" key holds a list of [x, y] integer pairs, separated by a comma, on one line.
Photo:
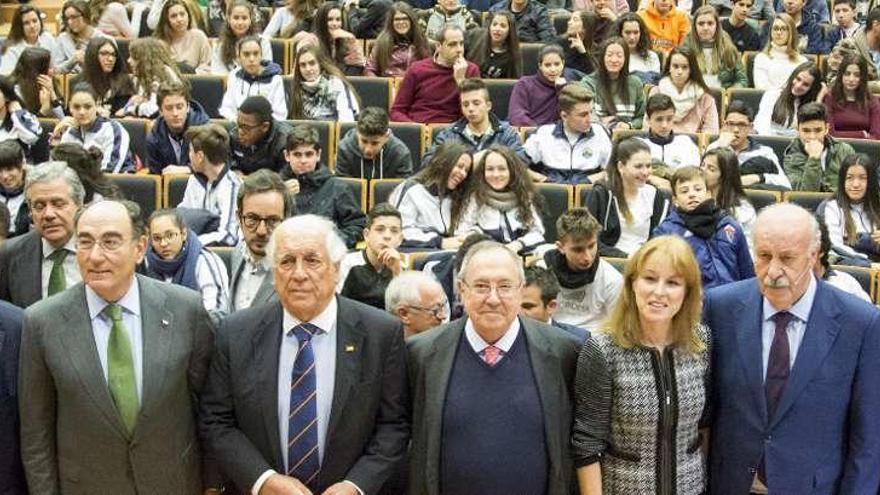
{"points": [[852, 111]]}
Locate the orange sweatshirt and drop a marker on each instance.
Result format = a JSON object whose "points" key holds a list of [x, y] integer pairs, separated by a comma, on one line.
{"points": [[666, 31]]}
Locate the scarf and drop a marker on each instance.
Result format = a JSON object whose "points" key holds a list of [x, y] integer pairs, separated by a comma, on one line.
{"points": [[568, 278], [703, 219], [12, 193], [502, 201], [319, 102], [684, 101], [182, 268]]}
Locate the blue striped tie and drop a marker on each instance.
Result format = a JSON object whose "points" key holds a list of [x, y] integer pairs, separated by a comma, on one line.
{"points": [[302, 433]]}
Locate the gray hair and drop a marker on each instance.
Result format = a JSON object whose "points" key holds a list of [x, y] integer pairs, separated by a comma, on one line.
{"points": [[491, 246], [789, 211], [52, 171], [405, 289], [309, 225]]}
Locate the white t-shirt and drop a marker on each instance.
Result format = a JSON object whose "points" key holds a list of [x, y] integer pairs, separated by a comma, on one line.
{"points": [[633, 235]]}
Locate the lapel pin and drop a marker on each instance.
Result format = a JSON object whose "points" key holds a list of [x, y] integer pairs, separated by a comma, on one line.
{"points": [[164, 323], [349, 348]]}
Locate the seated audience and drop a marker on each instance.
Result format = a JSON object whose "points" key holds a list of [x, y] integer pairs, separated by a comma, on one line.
{"points": [[87, 128], [721, 170], [644, 62], [574, 149], [240, 22], [35, 84], [19, 125], [167, 144], [813, 160], [533, 23], [742, 33], [845, 18], [316, 190], [105, 70], [713, 233], [777, 112], [588, 285], [175, 254], [418, 300], [852, 216], [628, 206], [495, 48], [533, 101], [371, 150], [447, 12], [812, 36], [539, 300], [320, 91], [399, 45], [479, 128], [578, 43], [366, 17], [189, 45], [429, 90], [151, 66], [86, 162], [759, 166], [339, 44], [257, 139], [503, 203], [695, 108], [667, 147], [26, 30], [840, 279], [77, 30], [606, 12], [212, 188], [717, 57], [620, 96], [12, 175], [853, 112], [780, 57], [364, 274], [112, 19], [255, 76], [667, 24], [431, 203], [290, 18]]}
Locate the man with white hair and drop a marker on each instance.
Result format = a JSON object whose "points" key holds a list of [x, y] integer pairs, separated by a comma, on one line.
{"points": [[491, 384], [418, 300], [796, 372], [306, 393]]}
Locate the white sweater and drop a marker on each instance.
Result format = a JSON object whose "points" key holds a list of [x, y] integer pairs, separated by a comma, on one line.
{"points": [[237, 90], [13, 52], [771, 71], [587, 306], [503, 227]]}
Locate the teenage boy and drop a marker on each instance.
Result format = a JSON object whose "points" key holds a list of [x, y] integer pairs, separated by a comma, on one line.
{"points": [[365, 274], [258, 138], [212, 187], [813, 159], [12, 174], [317, 191], [668, 148], [167, 144], [371, 150], [818, 8], [573, 150], [715, 236], [742, 33], [758, 164], [539, 300], [589, 285], [845, 17], [813, 38], [533, 23], [667, 24], [479, 128]]}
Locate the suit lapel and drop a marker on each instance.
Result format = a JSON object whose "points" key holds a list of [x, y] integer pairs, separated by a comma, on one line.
{"points": [[266, 346], [822, 329], [545, 366], [266, 291], [349, 355], [29, 283], [749, 344], [79, 341], [156, 321], [438, 367]]}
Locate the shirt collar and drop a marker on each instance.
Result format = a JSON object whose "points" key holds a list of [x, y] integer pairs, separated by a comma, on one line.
{"points": [[801, 308], [252, 263], [70, 246], [130, 302], [326, 320], [504, 343]]}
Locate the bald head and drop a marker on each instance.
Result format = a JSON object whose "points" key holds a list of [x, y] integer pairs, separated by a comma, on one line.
{"points": [[786, 220]]}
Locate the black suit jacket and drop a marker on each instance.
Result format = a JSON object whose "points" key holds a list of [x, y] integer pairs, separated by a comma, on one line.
{"points": [[368, 430], [12, 480], [21, 262]]}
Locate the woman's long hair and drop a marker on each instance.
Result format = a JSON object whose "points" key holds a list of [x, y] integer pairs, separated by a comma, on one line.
{"points": [[520, 183], [328, 69], [481, 50], [871, 201], [153, 60], [117, 82], [695, 75], [730, 189], [16, 28], [863, 97], [724, 52], [791, 47], [622, 152], [163, 30], [784, 111], [435, 176], [609, 88], [33, 62], [336, 49], [228, 39], [87, 165], [7, 89], [81, 6], [644, 44], [388, 39]]}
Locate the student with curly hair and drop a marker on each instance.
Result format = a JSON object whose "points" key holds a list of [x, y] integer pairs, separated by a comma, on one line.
{"points": [[151, 66]]}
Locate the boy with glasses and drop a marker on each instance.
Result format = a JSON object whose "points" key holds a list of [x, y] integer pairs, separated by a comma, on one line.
{"points": [[257, 138]]}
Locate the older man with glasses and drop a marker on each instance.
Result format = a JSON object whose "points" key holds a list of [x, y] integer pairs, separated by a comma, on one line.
{"points": [[418, 300], [491, 384]]}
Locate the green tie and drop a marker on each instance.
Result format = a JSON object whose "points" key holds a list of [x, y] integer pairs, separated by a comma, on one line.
{"points": [[120, 369], [57, 281]]}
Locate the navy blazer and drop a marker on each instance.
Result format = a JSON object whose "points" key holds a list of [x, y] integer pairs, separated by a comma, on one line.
{"points": [[12, 480], [824, 437]]}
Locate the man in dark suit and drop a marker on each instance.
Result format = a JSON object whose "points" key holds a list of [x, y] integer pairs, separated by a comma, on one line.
{"points": [[307, 394], [41, 262], [263, 203], [491, 386], [796, 372], [110, 372], [11, 472]]}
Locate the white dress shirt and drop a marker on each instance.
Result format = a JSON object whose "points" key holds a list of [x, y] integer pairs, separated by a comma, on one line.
{"points": [[71, 271], [250, 280], [795, 330], [504, 343]]}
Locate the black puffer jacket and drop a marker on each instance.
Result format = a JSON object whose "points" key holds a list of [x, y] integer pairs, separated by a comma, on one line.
{"points": [[268, 153]]}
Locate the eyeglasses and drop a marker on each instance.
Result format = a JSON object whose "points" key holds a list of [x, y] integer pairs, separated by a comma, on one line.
{"points": [[503, 289], [438, 312], [247, 127], [107, 244], [252, 222], [167, 237]]}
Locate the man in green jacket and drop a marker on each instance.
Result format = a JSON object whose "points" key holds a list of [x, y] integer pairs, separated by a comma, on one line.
{"points": [[813, 159]]}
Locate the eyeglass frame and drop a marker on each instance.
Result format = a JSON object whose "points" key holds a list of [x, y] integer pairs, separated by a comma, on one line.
{"points": [[88, 243], [271, 222], [167, 237], [485, 289], [439, 312]]}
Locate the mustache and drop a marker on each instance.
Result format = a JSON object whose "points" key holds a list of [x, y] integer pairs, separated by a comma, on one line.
{"points": [[777, 283]]}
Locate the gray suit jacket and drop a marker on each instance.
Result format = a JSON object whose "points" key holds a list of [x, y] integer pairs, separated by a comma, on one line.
{"points": [[21, 260], [368, 429], [73, 440], [431, 355], [266, 292]]}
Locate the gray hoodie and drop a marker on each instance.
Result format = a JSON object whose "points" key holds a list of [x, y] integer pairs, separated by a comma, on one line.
{"points": [[394, 159]]}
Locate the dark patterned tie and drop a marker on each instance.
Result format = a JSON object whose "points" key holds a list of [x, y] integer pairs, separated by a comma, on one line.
{"points": [[778, 366], [302, 433]]}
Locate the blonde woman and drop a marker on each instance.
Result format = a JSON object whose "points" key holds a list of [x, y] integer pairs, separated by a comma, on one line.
{"points": [[151, 65], [780, 55]]}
